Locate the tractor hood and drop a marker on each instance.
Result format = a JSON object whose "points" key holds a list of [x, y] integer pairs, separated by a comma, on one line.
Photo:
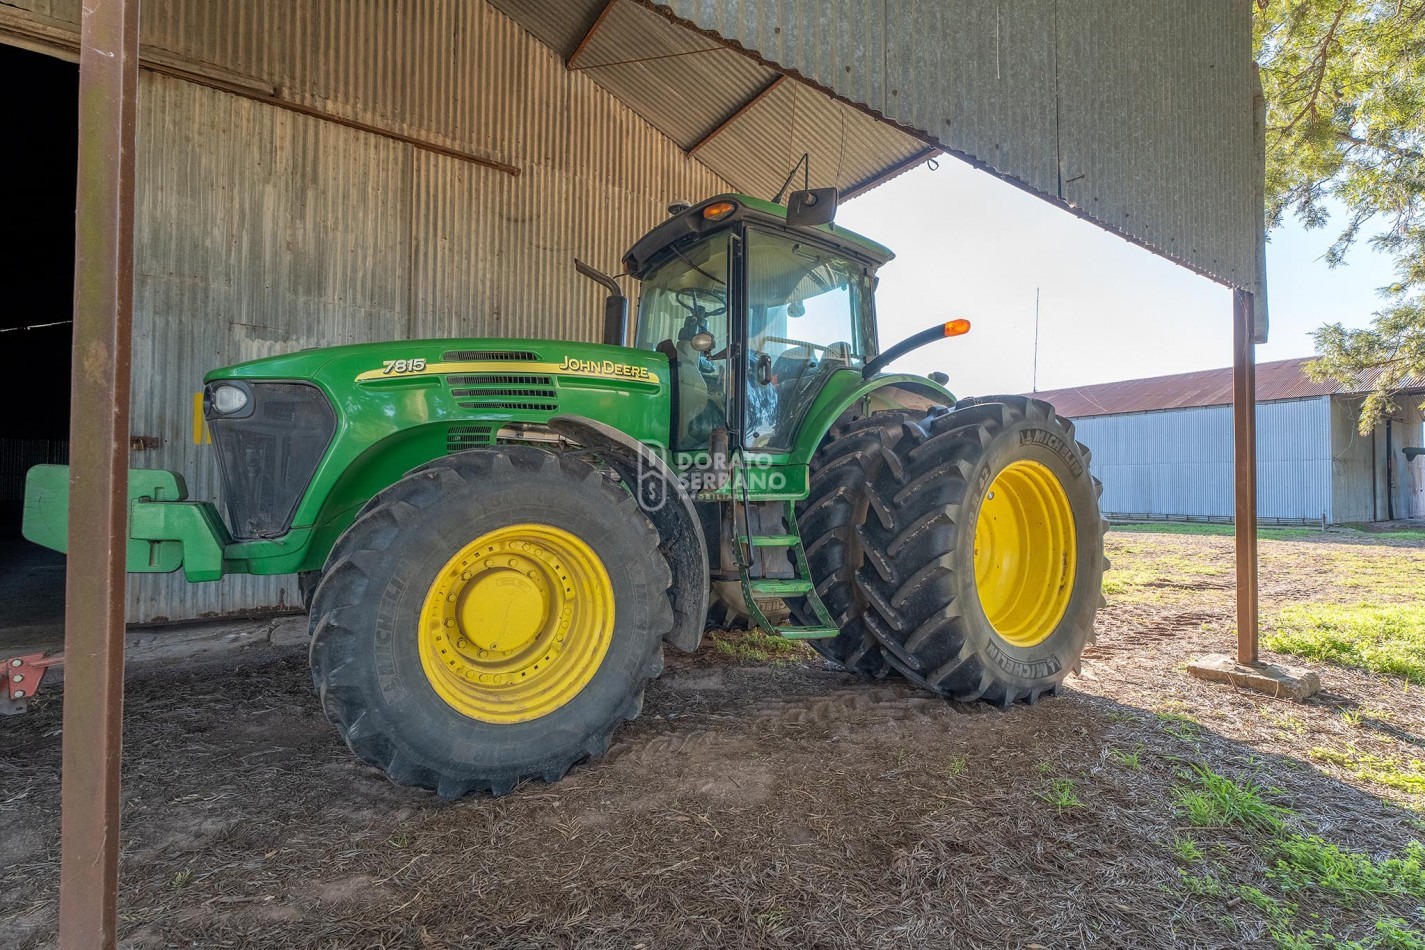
{"points": [[411, 363]]}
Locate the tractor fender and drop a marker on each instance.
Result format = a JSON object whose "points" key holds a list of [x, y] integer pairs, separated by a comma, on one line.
{"points": [[878, 392], [668, 506]]}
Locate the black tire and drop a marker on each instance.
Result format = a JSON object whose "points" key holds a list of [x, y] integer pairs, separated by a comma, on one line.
{"points": [[919, 574], [365, 656], [845, 464], [307, 582]]}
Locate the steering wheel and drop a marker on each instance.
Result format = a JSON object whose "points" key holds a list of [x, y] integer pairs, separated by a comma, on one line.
{"points": [[688, 299]]}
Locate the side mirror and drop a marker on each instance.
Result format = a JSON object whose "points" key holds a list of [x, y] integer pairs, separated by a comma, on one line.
{"points": [[810, 208]]}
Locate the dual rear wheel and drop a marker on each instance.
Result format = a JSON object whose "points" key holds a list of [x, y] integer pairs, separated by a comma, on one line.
{"points": [[966, 552]]}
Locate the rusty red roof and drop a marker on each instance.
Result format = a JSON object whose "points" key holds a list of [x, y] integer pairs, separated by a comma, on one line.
{"points": [[1279, 379]]}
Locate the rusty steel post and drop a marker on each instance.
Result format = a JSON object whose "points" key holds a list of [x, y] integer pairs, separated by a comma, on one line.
{"points": [[98, 482], [1244, 431]]}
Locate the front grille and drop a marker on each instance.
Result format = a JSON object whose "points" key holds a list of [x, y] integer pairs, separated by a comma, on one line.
{"points": [[502, 379], [505, 391], [268, 456], [456, 356]]}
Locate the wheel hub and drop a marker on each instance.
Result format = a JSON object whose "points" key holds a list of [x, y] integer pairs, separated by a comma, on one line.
{"points": [[516, 623], [1026, 548], [502, 605]]}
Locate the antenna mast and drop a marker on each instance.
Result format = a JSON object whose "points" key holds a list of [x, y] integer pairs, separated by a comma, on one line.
{"points": [[1035, 381]]}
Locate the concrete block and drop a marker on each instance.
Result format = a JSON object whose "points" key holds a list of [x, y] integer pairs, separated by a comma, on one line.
{"points": [[1286, 682]]}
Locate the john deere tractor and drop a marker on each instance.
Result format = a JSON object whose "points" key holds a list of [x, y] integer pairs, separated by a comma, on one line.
{"points": [[497, 537]]}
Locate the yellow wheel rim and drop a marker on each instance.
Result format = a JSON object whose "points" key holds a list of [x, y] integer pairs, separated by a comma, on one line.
{"points": [[1025, 553], [516, 623]]}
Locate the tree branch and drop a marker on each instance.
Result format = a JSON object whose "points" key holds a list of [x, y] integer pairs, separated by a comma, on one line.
{"points": [[1322, 53]]}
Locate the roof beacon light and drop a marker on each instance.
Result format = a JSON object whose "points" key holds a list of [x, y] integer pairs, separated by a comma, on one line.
{"points": [[719, 210]]}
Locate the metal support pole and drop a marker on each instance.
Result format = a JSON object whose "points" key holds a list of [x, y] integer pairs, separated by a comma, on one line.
{"points": [[1244, 430], [98, 489]]}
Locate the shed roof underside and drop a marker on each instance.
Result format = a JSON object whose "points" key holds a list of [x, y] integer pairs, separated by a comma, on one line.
{"points": [[1140, 117], [745, 120]]}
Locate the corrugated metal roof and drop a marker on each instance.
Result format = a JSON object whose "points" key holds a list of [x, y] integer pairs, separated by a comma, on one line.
{"points": [[1140, 117], [689, 85], [1280, 379]]}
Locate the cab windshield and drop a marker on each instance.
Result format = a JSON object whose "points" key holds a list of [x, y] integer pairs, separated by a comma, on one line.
{"points": [[806, 319], [808, 315]]}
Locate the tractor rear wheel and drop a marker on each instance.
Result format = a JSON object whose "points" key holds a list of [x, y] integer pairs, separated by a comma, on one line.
{"points": [[984, 557], [491, 617], [829, 520]]}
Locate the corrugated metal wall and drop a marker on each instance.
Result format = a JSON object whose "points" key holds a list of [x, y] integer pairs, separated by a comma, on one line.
{"points": [[1354, 492], [262, 230], [1410, 476], [1139, 115], [1177, 463]]}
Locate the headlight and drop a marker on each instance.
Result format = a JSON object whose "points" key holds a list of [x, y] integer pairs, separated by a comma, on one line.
{"points": [[229, 399]]}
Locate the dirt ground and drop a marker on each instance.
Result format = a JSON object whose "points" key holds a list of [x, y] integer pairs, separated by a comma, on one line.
{"points": [[757, 803]]}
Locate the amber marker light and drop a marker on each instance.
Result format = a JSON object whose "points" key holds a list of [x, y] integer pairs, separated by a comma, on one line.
{"points": [[719, 210], [937, 331]]}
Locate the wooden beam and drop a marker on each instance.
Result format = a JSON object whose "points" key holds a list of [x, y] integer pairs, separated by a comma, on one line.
{"points": [[1244, 431], [98, 476], [589, 35], [861, 188], [738, 113]]}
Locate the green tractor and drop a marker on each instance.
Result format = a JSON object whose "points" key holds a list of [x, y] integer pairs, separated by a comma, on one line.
{"points": [[496, 537]]}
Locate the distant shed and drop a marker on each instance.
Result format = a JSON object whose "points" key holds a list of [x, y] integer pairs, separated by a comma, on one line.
{"points": [[1163, 447]]}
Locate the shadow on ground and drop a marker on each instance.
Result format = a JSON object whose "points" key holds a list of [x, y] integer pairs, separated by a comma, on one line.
{"points": [[750, 806]]}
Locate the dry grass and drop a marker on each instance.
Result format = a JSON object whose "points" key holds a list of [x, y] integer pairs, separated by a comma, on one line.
{"points": [[773, 802]]}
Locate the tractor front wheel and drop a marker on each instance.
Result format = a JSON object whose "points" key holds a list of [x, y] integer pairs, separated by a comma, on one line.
{"points": [[491, 617]]}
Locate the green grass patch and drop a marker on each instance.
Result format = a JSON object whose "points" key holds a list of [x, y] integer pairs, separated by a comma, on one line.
{"points": [[755, 647], [1202, 885], [1384, 638], [1129, 760], [1186, 850], [1395, 934], [1406, 776], [1215, 801], [1303, 870], [1062, 793], [1308, 862], [1214, 530], [1180, 725], [1218, 530]]}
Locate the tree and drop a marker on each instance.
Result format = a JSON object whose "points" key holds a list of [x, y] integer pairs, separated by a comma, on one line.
{"points": [[1345, 90]]}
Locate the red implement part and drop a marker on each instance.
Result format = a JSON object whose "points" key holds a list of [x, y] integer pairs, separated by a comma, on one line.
{"points": [[23, 675]]}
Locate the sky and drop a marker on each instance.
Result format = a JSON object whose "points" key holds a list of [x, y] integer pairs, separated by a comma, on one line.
{"points": [[970, 245]]}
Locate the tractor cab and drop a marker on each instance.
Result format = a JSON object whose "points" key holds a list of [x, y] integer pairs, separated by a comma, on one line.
{"points": [[755, 315]]}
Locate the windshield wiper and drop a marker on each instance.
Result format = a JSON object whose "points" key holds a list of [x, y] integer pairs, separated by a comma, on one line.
{"points": [[695, 267]]}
